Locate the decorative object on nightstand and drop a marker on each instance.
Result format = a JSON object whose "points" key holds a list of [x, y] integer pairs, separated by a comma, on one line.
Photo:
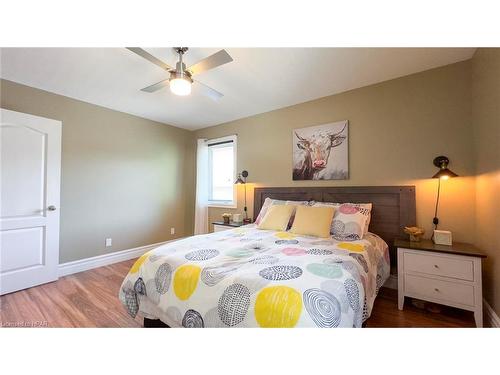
{"points": [[448, 275], [415, 233], [242, 179], [443, 174], [226, 217], [219, 226], [442, 237]]}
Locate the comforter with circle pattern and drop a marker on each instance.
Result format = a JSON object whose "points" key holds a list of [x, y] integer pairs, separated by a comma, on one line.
{"points": [[247, 277]]}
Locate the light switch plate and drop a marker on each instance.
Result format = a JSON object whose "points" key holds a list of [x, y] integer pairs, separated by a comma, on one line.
{"points": [[109, 242]]}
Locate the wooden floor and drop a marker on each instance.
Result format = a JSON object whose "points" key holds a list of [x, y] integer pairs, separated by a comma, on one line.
{"points": [[85, 299], [386, 314], [89, 299]]}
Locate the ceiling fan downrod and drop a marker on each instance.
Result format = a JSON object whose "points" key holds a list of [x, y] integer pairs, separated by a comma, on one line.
{"points": [[180, 68]]}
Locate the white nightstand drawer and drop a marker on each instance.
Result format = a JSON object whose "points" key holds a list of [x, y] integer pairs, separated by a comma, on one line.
{"points": [[440, 265], [444, 291]]}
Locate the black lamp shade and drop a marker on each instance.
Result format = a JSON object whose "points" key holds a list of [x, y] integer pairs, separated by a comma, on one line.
{"points": [[242, 178], [442, 163], [444, 174]]}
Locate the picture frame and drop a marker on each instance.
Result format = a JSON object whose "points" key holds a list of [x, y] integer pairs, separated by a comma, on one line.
{"points": [[321, 152]]}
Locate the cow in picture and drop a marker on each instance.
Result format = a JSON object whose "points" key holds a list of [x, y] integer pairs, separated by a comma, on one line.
{"points": [[321, 152]]}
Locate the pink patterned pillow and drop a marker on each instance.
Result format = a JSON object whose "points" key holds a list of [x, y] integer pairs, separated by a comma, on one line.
{"points": [[350, 221]]}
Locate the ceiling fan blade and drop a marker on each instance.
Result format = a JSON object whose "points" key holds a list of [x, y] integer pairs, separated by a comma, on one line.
{"points": [[210, 62], [149, 57], [156, 86], [208, 91]]}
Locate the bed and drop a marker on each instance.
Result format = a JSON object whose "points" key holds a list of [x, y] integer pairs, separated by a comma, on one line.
{"points": [[248, 277]]}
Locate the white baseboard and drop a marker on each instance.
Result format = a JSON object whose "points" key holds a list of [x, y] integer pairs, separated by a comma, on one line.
{"points": [[105, 259], [492, 319]]}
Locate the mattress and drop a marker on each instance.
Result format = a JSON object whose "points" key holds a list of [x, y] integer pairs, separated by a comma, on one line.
{"points": [[247, 277]]}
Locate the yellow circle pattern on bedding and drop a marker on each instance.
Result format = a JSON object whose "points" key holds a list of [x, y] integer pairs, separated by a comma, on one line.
{"points": [[284, 235], [138, 263], [278, 307], [185, 281], [353, 247]]}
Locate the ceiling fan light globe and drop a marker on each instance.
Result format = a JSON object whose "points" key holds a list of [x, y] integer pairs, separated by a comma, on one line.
{"points": [[180, 86]]}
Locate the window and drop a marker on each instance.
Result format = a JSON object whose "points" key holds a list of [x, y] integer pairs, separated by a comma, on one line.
{"points": [[222, 171]]}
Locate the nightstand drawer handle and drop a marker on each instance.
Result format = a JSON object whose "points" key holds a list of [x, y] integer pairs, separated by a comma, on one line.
{"points": [[436, 289], [436, 266]]}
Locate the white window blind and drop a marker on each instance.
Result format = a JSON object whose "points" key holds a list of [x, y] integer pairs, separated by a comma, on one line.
{"points": [[222, 171]]}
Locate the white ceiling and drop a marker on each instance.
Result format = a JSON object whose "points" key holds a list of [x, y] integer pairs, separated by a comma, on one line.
{"points": [[257, 81]]}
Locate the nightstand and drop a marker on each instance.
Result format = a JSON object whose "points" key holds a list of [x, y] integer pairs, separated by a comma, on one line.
{"points": [[219, 226], [449, 275]]}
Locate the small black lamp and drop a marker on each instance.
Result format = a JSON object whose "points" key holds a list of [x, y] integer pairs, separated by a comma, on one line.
{"points": [[443, 174], [242, 179]]}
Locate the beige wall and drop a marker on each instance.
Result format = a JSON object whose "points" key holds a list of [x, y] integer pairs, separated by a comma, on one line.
{"points": [[396, 128], [486, 124], [122, 176]]}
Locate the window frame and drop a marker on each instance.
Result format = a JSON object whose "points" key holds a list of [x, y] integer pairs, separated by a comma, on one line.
{"points": [[220, 203]]}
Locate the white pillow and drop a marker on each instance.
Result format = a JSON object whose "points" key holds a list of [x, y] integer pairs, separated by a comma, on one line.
{"points": [[350, 220]]}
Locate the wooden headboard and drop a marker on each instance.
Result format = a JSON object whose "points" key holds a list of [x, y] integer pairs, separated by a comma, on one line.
{"points": [[393, 206]]}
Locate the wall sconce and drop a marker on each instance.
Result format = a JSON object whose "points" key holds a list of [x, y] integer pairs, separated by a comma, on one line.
{"points": [[442, 163], [242, 179], [443, 174]]}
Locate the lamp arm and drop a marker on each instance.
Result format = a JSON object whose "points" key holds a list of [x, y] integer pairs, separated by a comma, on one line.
{"points": [[245, 209], [435, 221]]}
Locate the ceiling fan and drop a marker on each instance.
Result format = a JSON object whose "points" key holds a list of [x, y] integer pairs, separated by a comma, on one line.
{"points": [[181, 79]]}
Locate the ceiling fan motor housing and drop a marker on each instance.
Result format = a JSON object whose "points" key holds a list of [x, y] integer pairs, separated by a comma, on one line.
{"points": [[176, 74]]}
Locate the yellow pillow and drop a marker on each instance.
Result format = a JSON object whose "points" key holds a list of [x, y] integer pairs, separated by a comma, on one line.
{"points": [[313, 221], [277, 217]]}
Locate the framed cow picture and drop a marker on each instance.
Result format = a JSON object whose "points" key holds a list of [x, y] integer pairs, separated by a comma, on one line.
{"points": [[321, 152]]}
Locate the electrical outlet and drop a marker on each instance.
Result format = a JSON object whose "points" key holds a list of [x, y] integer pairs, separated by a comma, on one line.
{"points": [[109, 242], [172, 230]]}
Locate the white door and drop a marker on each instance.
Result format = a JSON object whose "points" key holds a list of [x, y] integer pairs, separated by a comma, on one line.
{"points": [[30, 175]]}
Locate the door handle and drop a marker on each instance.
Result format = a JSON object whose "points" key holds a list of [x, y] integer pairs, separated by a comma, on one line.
{"points": [[51, 208]]}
